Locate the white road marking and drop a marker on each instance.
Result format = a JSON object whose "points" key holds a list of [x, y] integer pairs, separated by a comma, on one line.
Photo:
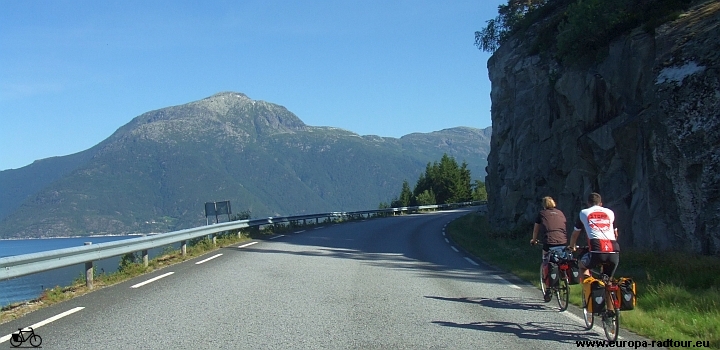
{"points": [[208, 259], [151, 280], [300, 231], [317, 228], [455, 249], [276, 237], [247, 244], [504, 281], [42, 323], [447, 240], [471, 261]]}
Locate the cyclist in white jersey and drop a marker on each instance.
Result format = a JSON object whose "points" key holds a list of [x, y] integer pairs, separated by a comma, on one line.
{"points": [[599, 224]]}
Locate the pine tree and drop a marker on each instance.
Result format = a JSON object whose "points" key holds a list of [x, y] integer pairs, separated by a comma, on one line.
{"points": [[406, 195]]}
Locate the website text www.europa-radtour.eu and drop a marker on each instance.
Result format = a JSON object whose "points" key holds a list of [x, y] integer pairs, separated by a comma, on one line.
{"points": [[639, 344]]}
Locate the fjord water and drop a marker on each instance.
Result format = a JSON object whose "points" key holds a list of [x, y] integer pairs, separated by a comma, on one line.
{"points": [[31, 286]]}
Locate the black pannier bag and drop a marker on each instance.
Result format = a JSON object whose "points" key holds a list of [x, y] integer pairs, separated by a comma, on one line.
{"points": [[596, 303], [573, 271], [553, 274], [627, 296]]}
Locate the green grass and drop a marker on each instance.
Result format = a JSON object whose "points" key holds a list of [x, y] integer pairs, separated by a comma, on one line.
{"points": [[678, 295]]}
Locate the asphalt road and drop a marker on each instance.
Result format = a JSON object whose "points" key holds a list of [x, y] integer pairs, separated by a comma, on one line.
{"points": [[387, 283]]}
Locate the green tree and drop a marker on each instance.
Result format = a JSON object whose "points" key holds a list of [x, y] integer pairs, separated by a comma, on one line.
{"points": [[507, 21], [395, 203], [446, 180], [406, 195], [479, 192], [243, 215], [427, 197]]}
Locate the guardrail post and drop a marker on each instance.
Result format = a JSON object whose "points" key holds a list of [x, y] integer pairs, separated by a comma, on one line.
{"points": [[214, 239], [89, 272], [145, 257], [183, 248]]}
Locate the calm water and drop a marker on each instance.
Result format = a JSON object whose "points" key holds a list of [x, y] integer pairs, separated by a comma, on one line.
{"points": [[31, 286]]}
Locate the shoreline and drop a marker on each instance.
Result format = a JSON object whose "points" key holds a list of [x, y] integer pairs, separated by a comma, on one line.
{"points": [[89, 236]]}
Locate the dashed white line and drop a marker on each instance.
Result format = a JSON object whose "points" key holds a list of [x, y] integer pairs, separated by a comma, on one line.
{"points": [[151, 280], [504, 281], [276, 237], [447, 240], [317, 228], [455, 249], [208, 259], [247, 244], [42, 323], [471, 261], [300, 231]]}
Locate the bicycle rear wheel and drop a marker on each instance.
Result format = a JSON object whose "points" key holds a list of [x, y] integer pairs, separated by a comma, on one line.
{"points": [[14, 343], [587, 315], [562, 292], [611, 324]]}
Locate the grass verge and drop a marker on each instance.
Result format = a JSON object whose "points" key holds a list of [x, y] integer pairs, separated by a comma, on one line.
{"points": [[678, 294]]}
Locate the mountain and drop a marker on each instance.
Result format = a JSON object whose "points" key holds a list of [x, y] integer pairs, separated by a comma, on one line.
{"points": [[155, 173]]}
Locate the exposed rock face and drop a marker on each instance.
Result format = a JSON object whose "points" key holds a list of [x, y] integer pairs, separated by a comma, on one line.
{"points": [[640, 128]]}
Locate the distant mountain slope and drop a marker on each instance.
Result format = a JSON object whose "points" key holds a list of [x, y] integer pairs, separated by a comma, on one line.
{"points": [[155, 173]]}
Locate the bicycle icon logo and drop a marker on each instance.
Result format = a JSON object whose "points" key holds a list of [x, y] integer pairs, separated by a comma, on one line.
{"points": [[22, 336]]}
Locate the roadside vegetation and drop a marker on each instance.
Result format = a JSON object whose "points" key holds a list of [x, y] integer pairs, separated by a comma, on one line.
{"points": [[574, 29], [442, 182], [678, 294]]}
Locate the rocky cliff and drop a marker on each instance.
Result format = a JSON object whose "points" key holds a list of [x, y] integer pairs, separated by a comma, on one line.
{"points": [[640, 127]]}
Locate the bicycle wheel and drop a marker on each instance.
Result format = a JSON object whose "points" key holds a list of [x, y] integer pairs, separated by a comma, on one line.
{"points": [[562, 292], [14, 343], [611, 324], [35, 340], [587, 315], [542, 281]]}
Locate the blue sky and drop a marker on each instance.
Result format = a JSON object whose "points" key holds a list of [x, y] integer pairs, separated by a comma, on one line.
{"points": [[72, 72]]}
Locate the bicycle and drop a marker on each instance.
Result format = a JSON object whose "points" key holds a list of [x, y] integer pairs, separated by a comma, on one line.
{"points": [[18, 338], [560, 286], [610, 319]]}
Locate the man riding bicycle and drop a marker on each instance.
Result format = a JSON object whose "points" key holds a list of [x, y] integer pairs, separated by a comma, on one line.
{"points": [[604, 250]]}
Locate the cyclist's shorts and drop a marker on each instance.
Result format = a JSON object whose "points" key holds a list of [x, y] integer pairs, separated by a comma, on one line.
{"points": [[609, 261], [559, 247]]}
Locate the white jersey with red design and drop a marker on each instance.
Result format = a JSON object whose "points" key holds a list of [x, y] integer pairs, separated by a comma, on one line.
{"points": [[599, 224]]}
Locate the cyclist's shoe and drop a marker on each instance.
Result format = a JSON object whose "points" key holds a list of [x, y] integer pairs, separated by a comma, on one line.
{"points": [[548, 296]]}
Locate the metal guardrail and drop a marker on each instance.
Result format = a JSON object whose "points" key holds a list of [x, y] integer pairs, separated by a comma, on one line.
{"points": [[26, 264]]}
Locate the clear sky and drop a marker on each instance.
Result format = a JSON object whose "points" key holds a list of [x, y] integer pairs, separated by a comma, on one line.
{"points": [[72, 72]]}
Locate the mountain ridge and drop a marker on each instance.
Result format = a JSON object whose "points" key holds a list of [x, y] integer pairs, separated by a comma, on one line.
{"points": [[154, 173]]}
